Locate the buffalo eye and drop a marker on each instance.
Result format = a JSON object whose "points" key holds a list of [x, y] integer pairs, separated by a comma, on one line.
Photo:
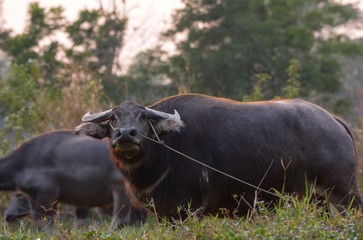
{"points": [[111, 118], [143, 116]]}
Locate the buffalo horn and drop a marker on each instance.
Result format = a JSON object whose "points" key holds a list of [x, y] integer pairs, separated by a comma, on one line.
{"points": [[162, 115], [96, 117]]}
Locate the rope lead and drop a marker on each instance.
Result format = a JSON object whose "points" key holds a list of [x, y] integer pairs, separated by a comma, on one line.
{"points": [[161, 142]]}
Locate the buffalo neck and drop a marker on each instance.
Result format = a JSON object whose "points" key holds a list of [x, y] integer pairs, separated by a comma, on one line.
{"points": [[153, 169]]}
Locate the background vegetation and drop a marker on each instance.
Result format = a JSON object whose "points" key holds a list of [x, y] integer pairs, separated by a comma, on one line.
{"points": [[247, 50]]}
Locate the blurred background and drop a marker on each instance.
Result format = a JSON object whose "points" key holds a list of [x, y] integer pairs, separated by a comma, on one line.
{"points": [[59, 59]]}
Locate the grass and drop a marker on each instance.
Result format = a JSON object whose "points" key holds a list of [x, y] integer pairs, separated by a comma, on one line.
{"points": [[292, 219]]}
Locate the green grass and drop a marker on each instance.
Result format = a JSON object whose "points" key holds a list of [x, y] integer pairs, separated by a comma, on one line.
{"points": [[292, 219]]}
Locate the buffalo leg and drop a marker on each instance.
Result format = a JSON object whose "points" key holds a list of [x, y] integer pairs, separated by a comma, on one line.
{"points": [[342, 201], [138, 215], [45, 211], [345, 194], [81, 214], [121, 209]]}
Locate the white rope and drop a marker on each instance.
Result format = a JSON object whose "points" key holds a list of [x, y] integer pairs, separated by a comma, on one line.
{"points": [[203, 164]]}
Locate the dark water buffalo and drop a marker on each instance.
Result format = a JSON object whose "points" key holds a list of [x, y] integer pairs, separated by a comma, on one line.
{"points": [[63, 167], [256, 142]]}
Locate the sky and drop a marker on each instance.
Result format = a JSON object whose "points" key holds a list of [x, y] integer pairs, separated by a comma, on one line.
{"points": [[147, 18]]}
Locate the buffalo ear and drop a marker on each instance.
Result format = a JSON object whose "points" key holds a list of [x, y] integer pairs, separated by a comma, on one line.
{"points": [[96, 130], [164, 126]]}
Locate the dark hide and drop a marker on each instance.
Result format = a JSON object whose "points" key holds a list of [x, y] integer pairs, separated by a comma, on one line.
{"points": [[256, 142], [63, 167]]}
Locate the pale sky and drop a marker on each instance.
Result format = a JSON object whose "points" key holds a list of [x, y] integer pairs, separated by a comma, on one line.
{"points": [[146, 18]]}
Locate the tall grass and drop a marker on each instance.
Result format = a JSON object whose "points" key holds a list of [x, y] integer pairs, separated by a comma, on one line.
{"points": [[292, 218]]}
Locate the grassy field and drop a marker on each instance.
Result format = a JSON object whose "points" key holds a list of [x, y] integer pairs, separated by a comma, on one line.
{"points": [[292, 219]]}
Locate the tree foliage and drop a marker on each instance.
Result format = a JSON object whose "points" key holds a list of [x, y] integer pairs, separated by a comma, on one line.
{"points": [[48, 86], [228, 43], [22, 89], [3, 57], [146, 81], [97, 37], [37, 42]]}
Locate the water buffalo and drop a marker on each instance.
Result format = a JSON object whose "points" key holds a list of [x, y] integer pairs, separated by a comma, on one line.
{"points": [[63, 167], [271, 144]]}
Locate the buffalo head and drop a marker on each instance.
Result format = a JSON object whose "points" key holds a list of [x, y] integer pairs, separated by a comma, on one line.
{"points": [[126, 125]]}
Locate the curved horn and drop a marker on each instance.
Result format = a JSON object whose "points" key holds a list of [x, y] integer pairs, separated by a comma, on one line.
{"points": [[96, 117], [158, 114]]}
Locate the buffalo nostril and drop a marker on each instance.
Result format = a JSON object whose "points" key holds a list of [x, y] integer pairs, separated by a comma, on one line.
{"points": [[133, 132], [128, 132]]}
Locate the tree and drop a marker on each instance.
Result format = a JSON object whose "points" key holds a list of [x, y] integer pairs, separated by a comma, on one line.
{"points": [[33, 81], [146, 81], [26, 46], [3, 57], [97, 38], [229, 43], [42, 91]]}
